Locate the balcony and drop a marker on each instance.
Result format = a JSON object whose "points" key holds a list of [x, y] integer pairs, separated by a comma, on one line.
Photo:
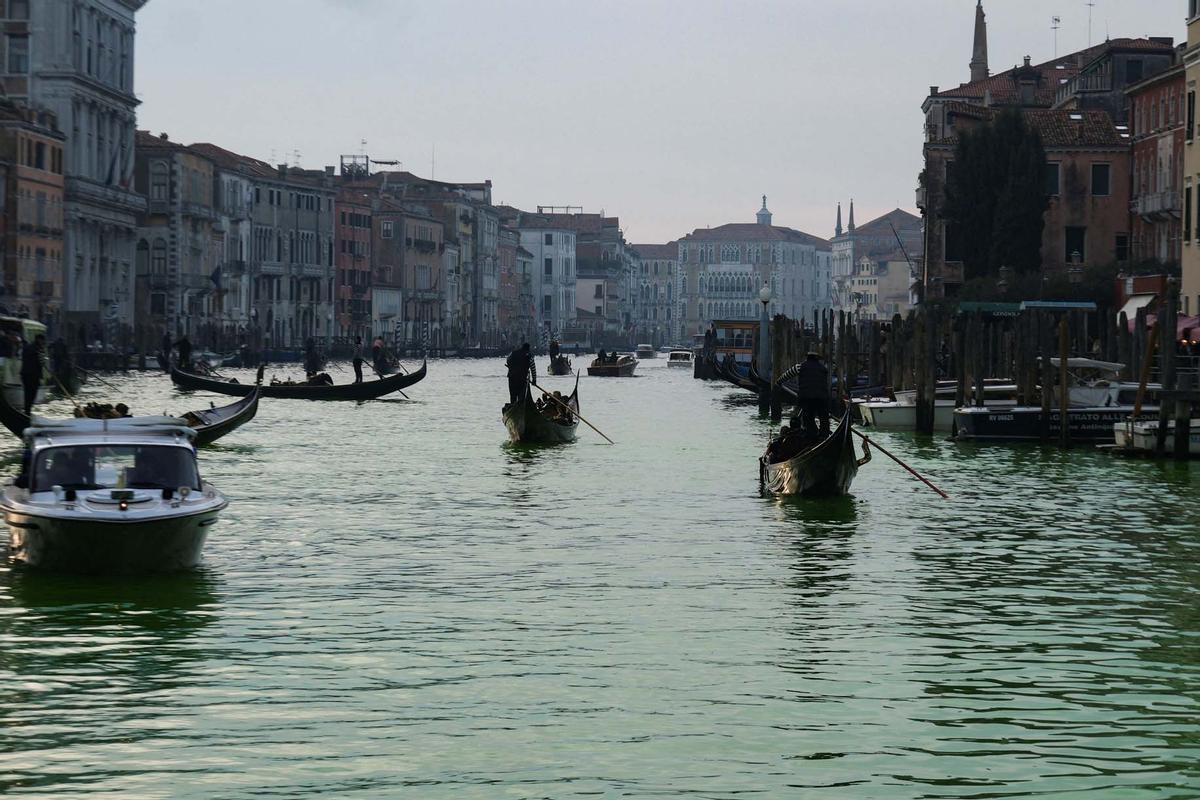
{"points": [[1157, 206], [235, 266], [199, 211], [159, 207], [83, 190]]}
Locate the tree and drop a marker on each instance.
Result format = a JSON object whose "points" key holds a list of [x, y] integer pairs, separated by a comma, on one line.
{"points": [[996, 196]]}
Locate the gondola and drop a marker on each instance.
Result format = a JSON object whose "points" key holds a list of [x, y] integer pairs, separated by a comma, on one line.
{"points": [[560, 365], [826, 468], [210, 424], [733, 376], [527, 425], [367, 390], [622, 367], [787, 393]]}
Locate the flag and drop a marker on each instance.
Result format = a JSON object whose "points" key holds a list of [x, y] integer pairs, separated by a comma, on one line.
{"points": [[215, 277], [112, 167]]}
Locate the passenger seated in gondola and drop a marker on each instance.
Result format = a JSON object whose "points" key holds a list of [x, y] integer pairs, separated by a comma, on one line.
{"points": [[787, 444]]}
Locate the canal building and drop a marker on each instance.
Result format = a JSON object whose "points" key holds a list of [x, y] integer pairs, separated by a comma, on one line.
{"points": [[883, 236], [75, 58], [724, 268], [1157, 111]]}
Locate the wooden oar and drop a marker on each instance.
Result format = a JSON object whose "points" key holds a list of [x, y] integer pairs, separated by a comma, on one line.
{"points": [[64, 391], [915, 474], [573, 411], [92, 374]]}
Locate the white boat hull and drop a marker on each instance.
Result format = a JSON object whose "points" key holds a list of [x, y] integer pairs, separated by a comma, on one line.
{"points": [[903, 417], [1143, 436]]}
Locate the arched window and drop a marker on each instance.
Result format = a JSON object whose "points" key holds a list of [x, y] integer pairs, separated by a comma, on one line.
{"points": [[701, 312], [142, 262], [730, 254]]}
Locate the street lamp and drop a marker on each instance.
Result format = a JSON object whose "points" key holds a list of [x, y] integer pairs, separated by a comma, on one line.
{"points": [[764, 297]]}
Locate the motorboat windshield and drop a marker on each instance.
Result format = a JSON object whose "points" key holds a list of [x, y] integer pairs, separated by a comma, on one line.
{"points": [[103, 466]]}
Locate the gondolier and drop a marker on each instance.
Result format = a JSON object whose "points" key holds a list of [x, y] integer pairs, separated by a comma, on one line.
{"points": [[521, 371], [812, 395], [185, 352], [312, 362], [358, 359]]}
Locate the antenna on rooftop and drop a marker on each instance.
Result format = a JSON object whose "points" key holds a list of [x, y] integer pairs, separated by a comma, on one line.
{"points": [[296, 158], [1055, 24], [1090, 4]]}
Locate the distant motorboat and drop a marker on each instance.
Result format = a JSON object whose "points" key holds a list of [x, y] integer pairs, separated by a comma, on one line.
{"points": [[621, 366], [646, 351]]}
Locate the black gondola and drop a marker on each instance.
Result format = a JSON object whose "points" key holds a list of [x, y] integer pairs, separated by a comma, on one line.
{"points": [[788, 393], [560, 365], [733, 376], [210, 424], [527, 425], [367, 390], [824, 468]]}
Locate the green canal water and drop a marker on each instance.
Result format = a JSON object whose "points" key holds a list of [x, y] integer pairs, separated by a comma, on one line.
{"points": [[397, 604]]}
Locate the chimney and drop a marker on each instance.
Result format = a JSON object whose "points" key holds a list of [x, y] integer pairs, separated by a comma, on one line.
{"points": [[163, 136], [328, 172], [933, 90], [283, 170]]}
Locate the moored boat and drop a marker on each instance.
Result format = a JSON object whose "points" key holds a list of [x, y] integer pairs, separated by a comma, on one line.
{"points": [[1141, 436], [1094, 407], [527, 424], [620, 367], [366, 390], [110, 496], [801, 466]]}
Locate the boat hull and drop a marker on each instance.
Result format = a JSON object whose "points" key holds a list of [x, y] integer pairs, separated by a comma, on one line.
{"points": [[826, 470], [903, 417], [73, 545], [527, 425], [367, 390], [1024, 423], [623, 369]]}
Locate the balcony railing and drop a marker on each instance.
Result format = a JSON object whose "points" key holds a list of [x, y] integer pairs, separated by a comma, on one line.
{"points": [[1157, 205]]}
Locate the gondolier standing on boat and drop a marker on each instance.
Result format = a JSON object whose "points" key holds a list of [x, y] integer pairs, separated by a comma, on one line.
{"points": [[31, 370], [521, 371], [358, 359], [185, 352], [812, 395]]}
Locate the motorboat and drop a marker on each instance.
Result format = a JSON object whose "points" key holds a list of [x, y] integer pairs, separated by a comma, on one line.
{"points": [[646, 351], [681, 358], [900, 414], [1141, 435], [114, 495], [1096, 401], [614, 366]]}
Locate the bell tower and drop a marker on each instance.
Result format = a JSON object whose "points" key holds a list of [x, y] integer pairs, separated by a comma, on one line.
{"points": [[979, 60]]}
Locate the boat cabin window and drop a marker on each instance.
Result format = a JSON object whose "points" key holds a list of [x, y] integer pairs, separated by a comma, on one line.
{"points": [[110, 467]]}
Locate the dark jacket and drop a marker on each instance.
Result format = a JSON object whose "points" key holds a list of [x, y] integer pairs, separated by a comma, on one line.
{"points": [[519, 364], [31, 364], [812, 381]]}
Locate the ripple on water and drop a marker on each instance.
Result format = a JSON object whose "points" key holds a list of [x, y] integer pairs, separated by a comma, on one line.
{"points": [[398, 602]]}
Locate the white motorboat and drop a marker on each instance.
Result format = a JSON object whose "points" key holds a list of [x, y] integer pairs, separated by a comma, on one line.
{"points": [[113, 495], [645, 351], [680, 358], [901, 414], [1142, 435]]}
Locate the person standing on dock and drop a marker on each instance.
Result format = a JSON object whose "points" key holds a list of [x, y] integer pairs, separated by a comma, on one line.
{"points": [[358, 359], [521, 371], [31, 370], [812, 395]]}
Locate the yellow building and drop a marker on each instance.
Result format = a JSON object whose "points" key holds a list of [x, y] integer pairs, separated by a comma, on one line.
{"points": [[1190, 290]]}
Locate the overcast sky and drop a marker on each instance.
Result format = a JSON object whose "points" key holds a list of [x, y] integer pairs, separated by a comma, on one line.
{"points": [[672, 115]]}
